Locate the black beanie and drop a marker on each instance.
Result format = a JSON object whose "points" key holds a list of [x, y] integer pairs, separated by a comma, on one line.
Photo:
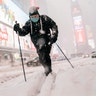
{"points": [[34, 13]]}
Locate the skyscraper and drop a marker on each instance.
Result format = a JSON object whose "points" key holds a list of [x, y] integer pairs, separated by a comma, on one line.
{"points": [[79, 28]]}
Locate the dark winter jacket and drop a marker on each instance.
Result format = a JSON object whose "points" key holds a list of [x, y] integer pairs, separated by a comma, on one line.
{"points": [[48, 26]]}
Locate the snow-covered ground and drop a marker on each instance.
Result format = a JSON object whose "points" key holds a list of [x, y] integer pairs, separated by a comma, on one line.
{"points": [[63, 81]]}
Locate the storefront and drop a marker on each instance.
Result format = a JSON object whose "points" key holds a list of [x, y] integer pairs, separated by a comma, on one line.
{"points": [[9, 13]]}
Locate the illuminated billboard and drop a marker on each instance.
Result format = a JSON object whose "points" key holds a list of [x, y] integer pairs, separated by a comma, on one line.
{"points": [[6, 36], [78, 24], [79, 29], [9, 12]]}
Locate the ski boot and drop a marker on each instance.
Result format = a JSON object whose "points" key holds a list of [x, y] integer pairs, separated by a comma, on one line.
{"points": [[47, 70]]}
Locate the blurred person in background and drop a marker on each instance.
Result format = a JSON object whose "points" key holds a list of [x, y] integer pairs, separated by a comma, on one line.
{"points": [[43, 32]]}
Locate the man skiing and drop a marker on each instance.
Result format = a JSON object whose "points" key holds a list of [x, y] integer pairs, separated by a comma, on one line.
{"points": [[43, 32]]}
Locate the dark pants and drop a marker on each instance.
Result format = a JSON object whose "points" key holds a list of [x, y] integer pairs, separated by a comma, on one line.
{"points": [[44, 56]]}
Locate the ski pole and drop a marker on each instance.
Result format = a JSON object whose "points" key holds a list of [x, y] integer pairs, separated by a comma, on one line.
{"points": [[21, 56], [65, 55]]}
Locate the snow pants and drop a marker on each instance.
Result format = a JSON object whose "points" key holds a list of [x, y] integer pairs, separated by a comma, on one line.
{"points": [[44, 57]]}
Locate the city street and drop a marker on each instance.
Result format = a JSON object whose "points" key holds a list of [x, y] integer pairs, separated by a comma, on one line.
{"points": [[63, 81], [54, 33]]}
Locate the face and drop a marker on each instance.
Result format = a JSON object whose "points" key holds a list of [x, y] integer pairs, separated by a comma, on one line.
{"points": [[34, 18]]}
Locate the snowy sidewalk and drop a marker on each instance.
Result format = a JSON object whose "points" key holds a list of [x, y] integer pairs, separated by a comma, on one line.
{"points": [[64, 81]]}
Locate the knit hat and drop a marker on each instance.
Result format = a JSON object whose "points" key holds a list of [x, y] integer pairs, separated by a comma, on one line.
{"points": [[33, 10]]}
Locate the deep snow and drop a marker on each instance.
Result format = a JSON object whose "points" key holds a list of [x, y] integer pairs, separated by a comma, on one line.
{"points": [[63, 81]]}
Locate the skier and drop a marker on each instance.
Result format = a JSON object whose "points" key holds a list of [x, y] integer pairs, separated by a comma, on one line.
{"points": [[43, 32]]}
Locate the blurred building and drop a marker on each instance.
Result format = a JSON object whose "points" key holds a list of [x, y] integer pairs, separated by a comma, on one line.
{"points": [[75, 19], [81, 38], [9, 13]]}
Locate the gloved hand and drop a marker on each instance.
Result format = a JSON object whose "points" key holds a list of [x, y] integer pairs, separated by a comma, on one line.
{"points": [[53, 40], [49, 43], [16, 27]]}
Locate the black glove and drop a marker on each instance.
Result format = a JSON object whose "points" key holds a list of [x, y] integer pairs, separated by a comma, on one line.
{"points": [[16, 27], [53, 40], [49, 43]]}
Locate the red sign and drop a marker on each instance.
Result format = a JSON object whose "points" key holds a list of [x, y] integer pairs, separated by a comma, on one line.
{"points": [[80, 36], [32, 2], [3, 34], [0, 1]]}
